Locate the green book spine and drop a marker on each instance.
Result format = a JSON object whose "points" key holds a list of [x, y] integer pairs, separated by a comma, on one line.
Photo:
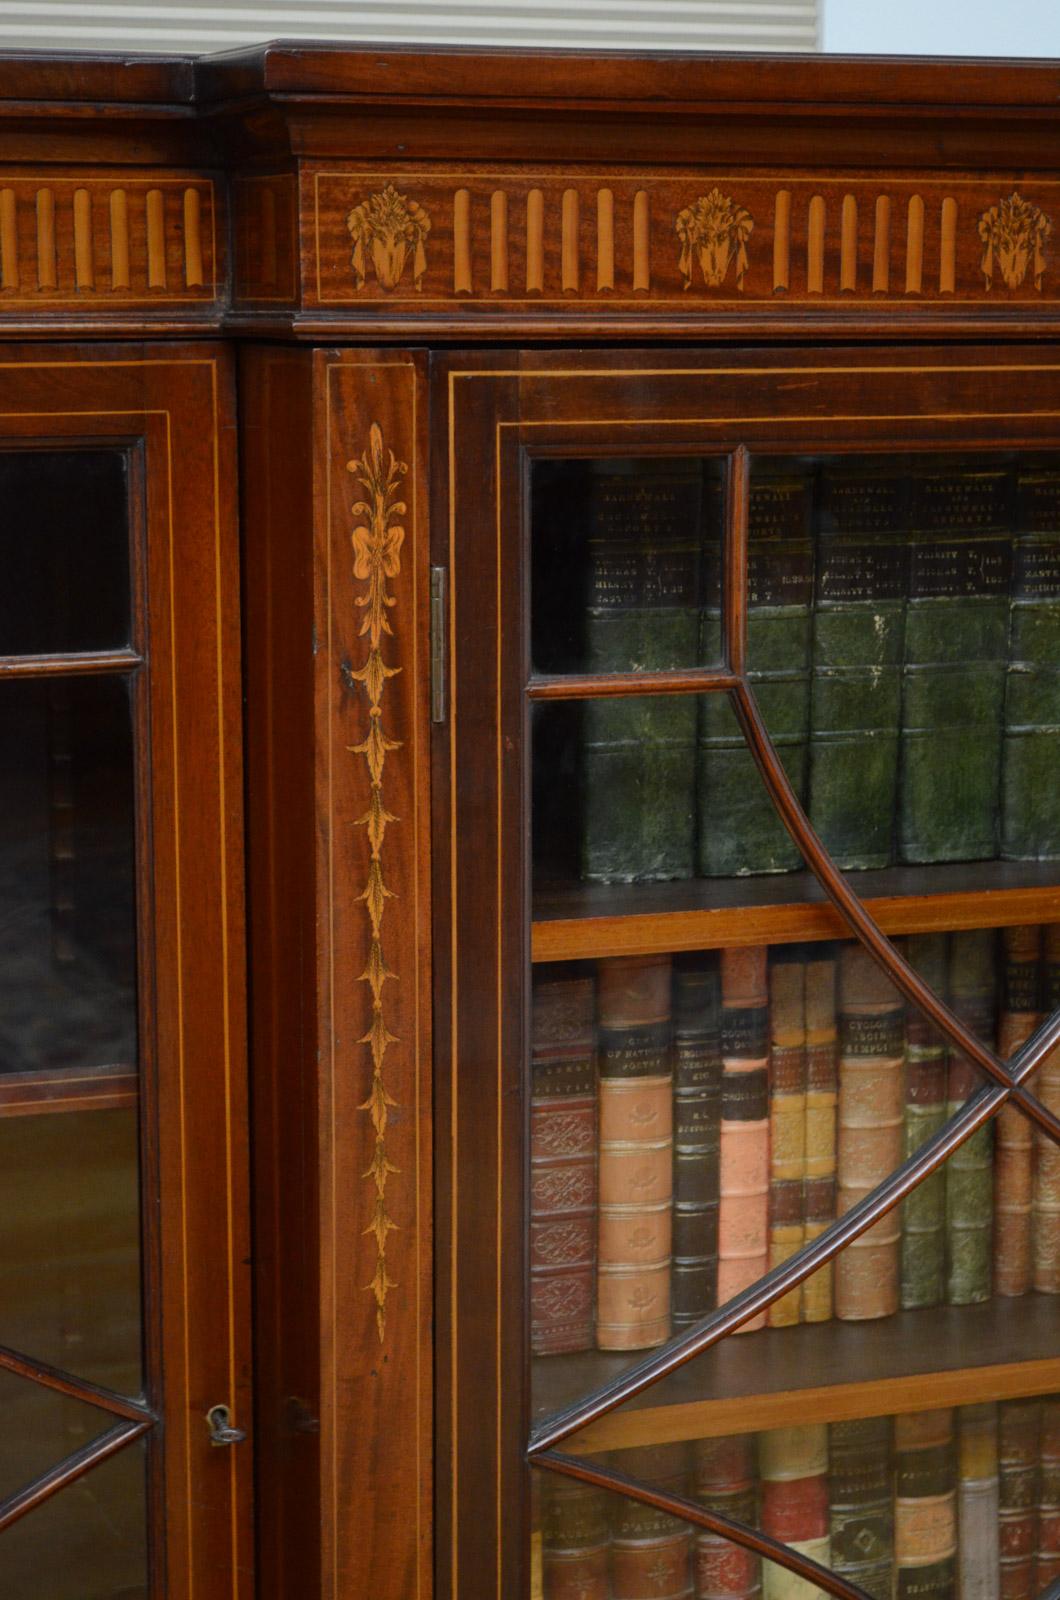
{"points": [[970, 1169], [862, 550], [1030, 793], [638, 819], [955, 666], [861, 1503], [739, 829], [923, 1261]]}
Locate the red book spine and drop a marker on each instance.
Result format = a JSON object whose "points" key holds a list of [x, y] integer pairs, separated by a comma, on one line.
{"points": [[575, 1540], [1046, 1204], [724, 1481], [562, 1164], [793, 1463], [651, 1552], [1018, 1448], [1049, 1495], [1013, 1149]]}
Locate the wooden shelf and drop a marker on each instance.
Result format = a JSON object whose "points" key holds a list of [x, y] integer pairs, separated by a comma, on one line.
{"points": [[578, 921], [30, 1094], [831, 1371]]}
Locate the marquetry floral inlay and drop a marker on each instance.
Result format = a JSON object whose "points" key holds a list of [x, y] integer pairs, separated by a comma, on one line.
{"points": [[377, 541], [1014, 233], [714, 231], [387, 229]]}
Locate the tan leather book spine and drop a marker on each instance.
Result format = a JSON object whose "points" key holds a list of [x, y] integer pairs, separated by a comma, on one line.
{"points": [[925, 1506], [575, 1540], [1046, 1201], [636, 1152], [787, 1120], [1014, 1143], [871, 1117], [822, 1095], [743, 1210]]}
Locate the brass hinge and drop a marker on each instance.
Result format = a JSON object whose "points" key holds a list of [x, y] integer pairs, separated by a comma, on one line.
{"points": [[439, 643]]}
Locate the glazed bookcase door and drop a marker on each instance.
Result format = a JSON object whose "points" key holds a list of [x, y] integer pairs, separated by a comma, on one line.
{"points": [[746, 898], [123, 1246]]}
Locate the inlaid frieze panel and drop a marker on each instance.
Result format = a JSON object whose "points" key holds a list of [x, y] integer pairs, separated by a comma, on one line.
{"points": [[622, 240]]}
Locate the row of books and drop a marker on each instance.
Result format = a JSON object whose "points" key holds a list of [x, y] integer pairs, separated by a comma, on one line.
{"points": [[903, 643], [697, 1119], [937, 1505]]}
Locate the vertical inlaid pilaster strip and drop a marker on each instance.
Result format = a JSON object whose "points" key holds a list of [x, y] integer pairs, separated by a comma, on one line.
{"points": [[156, 239], [815, 246], [848, 246], [914, 246], [8, 239], [46, 278], [641, 241], [569, 241], [605, 240], [535, 242], [462, 242], [499, 242], [782, 241], [268, 244], [881, 249], [119, 239], [193, 273], [84, 272], [948, 246]]}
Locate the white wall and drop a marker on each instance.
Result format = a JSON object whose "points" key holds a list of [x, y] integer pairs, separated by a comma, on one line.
{"points": [[943, 27]]}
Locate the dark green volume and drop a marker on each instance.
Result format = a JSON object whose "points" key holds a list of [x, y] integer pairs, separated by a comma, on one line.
{"points": [[862, 548], [1030, 782], [861, 1503], [956, 658], [697, 1134], [739, 829], [644, 550]]}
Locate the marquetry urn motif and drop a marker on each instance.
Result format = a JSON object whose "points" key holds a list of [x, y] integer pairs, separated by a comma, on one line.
{"points": [[389, 231], [714, 232], [1014, 233]]}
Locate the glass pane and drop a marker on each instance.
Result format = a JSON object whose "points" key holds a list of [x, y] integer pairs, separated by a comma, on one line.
{"points": [[937, 1503], [64, 551], [70, 1243], [626, 557], [67, 923], [40, 1429], [88, 1542]]}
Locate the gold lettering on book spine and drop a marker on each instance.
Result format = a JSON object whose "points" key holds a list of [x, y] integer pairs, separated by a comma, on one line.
{"points": [[377, 541], [1014, 234]]}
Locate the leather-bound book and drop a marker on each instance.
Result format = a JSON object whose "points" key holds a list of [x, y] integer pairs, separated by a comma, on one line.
{"points": [[822, 1094], [724, 1481], [1030, 803], [862, 555], [575, 1540], [1018, 1470], [924, 1210], [651, 1552], [970, 1169], [861, 1503], [955, 664], [1046, 1205], [562, 1160], [739, 829], [925, 1506], [743, 1211], [977, 1503], [636, 1151], [787, 1118], [871, 1117], [645, 537], [1019, 1016], [1049, 1494], [697, 1135], [793, 1468]]}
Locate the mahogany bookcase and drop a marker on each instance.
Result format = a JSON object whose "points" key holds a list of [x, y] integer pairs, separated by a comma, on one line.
{"points": [[361, 294]]}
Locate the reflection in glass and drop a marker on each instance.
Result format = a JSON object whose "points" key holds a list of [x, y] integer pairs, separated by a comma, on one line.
{"points": [[64, 551], [925, 1505], [67, 923], [41, 1428], [88, 1542], [70, 1243]]}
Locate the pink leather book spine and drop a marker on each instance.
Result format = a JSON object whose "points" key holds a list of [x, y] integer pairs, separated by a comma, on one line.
{"points": [[743, 1211], [871, 1119], [1046, 1202], [822, 1094], [1014, 1145]]}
